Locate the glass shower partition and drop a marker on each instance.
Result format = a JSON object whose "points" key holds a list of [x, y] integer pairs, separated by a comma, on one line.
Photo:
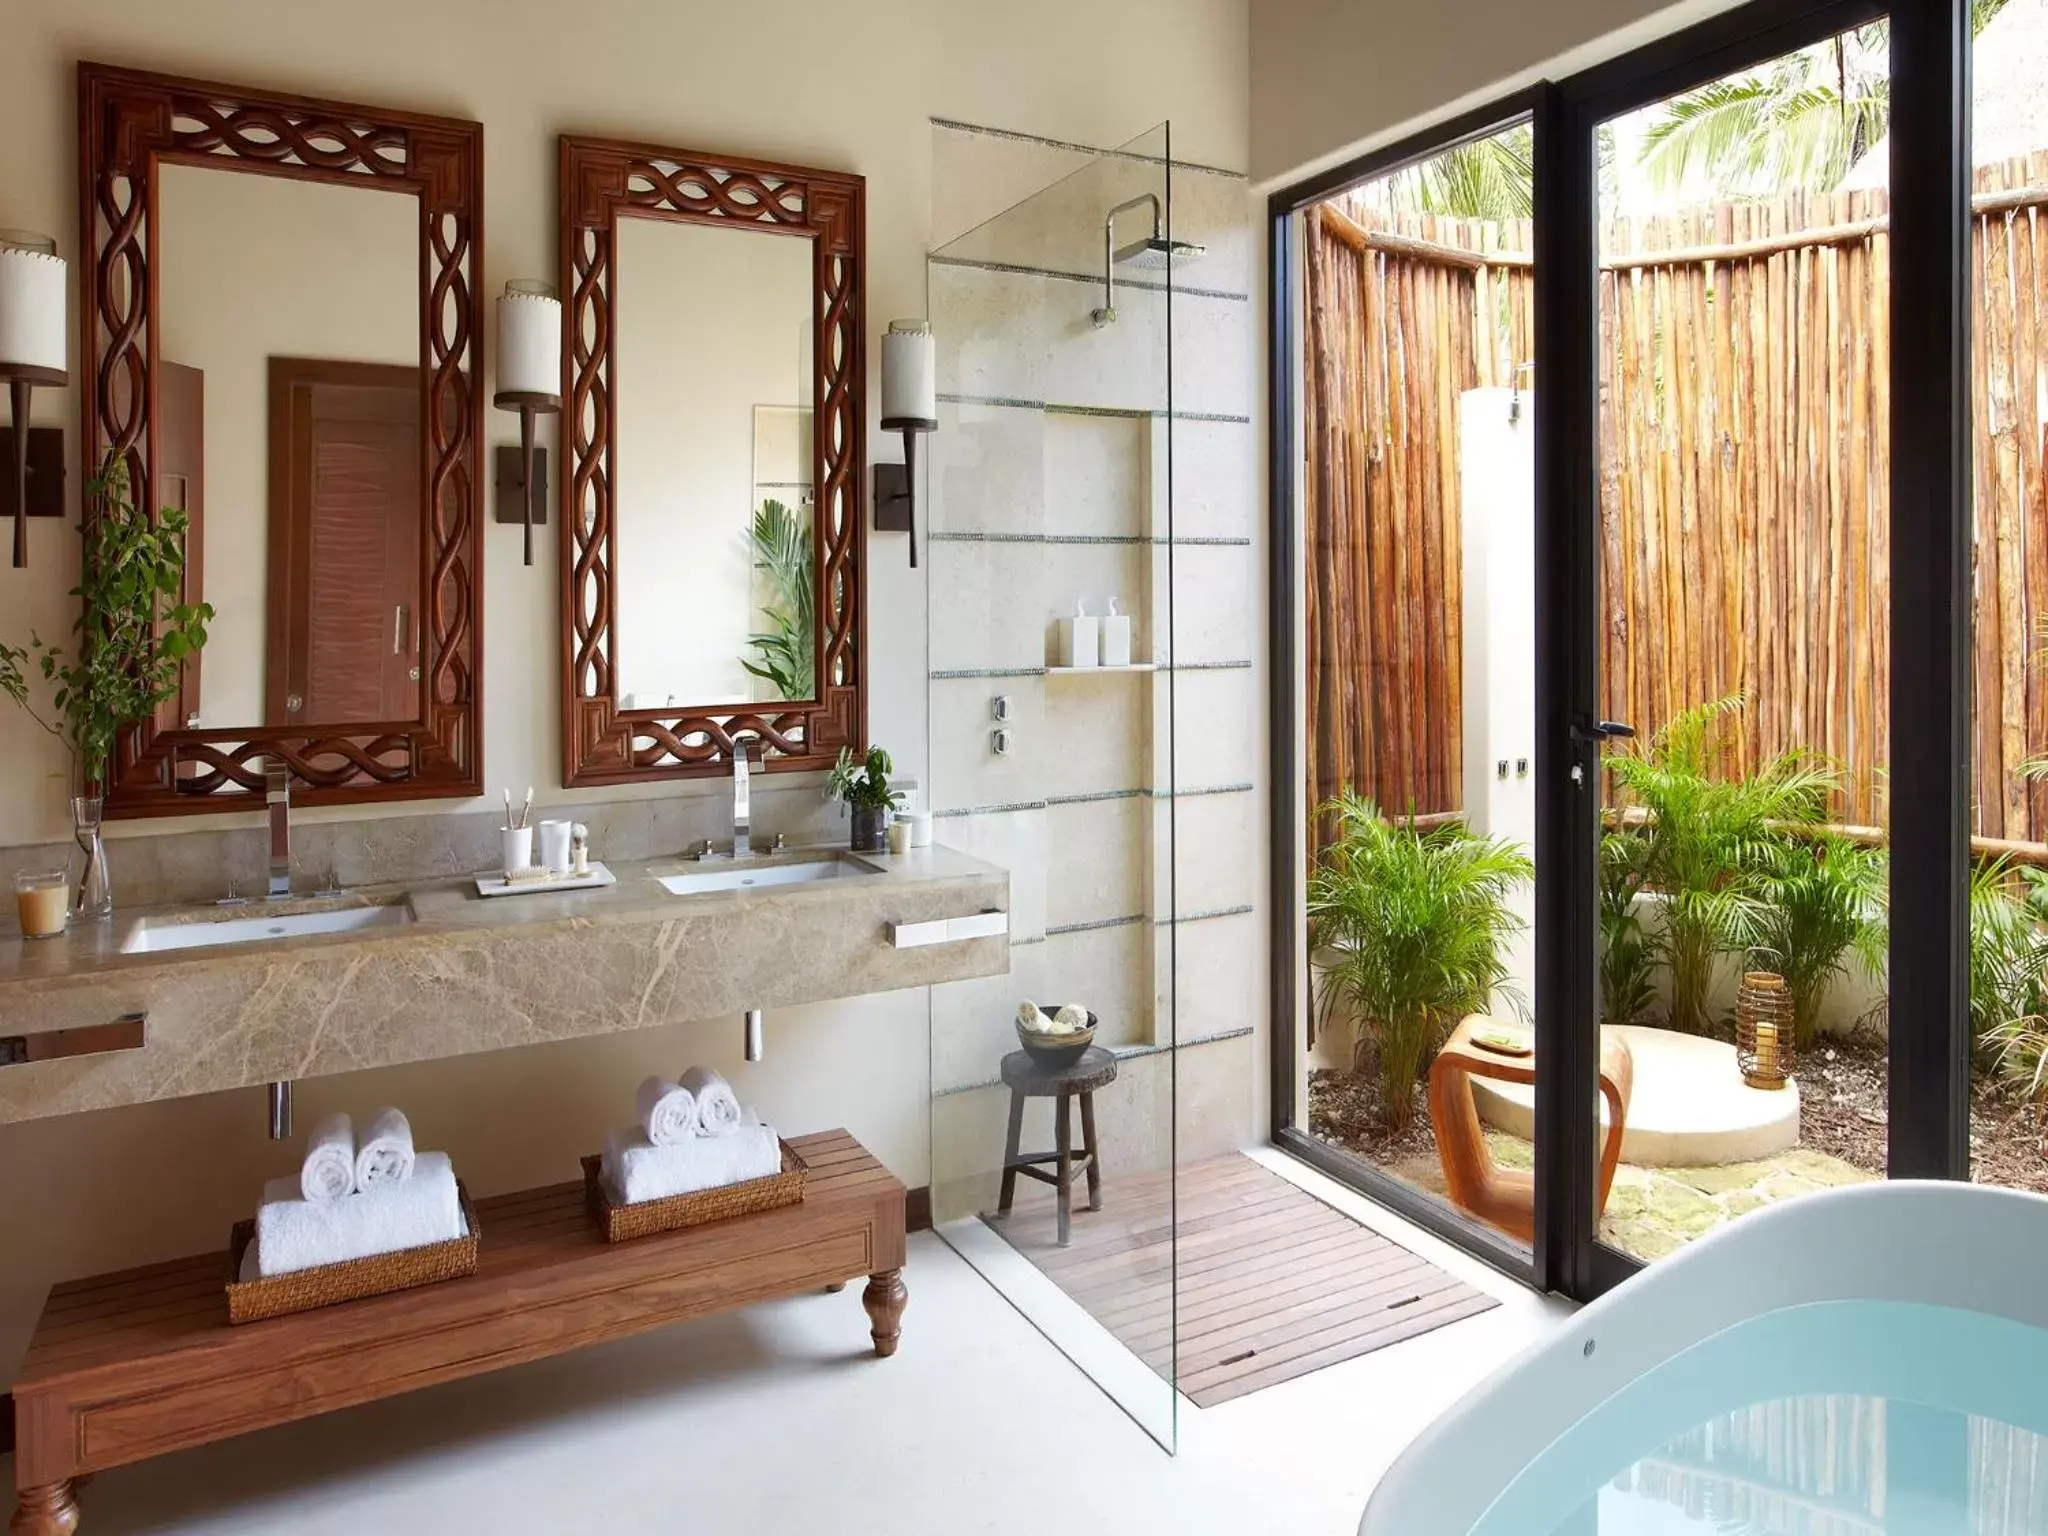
{"points": [[1051, 753]]}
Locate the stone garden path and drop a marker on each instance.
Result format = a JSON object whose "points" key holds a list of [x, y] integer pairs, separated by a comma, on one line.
{"points": [[1655, 1211]]}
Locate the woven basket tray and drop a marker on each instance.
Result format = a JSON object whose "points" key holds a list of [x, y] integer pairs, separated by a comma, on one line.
{"points": [[621, 1223], [251, 1301]]}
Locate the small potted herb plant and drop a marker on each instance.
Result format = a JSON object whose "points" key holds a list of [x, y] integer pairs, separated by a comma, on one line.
{"points": [[134, 634], [863, 783]]}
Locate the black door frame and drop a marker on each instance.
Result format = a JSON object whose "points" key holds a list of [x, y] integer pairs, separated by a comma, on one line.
{"points": [[1930, 518]]}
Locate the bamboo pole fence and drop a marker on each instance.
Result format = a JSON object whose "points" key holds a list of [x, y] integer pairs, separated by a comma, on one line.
{"points": [[1744, 359]]}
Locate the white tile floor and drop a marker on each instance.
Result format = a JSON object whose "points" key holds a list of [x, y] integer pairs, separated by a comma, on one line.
{"points": [[778, 1420]]}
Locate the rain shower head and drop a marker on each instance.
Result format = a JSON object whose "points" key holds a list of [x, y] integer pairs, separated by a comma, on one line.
{"points": [[1155, 253]]}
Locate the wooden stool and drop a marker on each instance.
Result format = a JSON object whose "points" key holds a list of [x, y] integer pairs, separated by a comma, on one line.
{"points": [[1506, 1198], [1028, 1080]]}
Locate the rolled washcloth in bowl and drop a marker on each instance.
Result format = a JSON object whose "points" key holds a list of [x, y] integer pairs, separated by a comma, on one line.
{"points": [[667, 1112], [718, 1107], [294, 1234], [635, 1170], [385, 1155], [329, 1171]]}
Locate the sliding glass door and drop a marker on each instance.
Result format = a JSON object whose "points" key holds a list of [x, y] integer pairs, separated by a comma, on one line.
{"points": [[1727, 949]]}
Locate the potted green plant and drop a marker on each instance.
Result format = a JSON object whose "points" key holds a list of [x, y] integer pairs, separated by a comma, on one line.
{"points": [[863, 783], [134, 632], [1708, 830], [1408, 928]]}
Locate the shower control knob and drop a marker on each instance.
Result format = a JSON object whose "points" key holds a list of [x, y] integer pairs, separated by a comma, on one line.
{"points": [[999, 742]]}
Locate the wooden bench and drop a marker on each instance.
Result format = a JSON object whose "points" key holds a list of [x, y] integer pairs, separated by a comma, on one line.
{"points": [[135, 1364]]}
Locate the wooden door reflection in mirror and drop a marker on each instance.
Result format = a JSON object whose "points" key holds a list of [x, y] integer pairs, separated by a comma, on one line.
{"points": [[715, 425], [284, 341]]}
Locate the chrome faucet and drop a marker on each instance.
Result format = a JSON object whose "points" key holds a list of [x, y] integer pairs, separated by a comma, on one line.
{"points": [[277, 778], [742, 840]]}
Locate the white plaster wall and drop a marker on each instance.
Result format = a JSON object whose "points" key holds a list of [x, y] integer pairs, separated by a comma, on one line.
{"points": [[250, 268], [1331, 78], [1496, 459], [131, 1186], [710, 323]]}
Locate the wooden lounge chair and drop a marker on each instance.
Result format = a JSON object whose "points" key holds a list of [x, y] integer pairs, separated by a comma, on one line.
{"points": [[1506, 1197]]}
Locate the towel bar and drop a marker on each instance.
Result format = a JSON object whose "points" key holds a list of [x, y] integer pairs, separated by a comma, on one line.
{"points": [[127, 1033]]}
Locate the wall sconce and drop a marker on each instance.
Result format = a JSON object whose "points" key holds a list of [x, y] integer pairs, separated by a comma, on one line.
{"points": [[32, 330], [910, 405], [529, 380]]}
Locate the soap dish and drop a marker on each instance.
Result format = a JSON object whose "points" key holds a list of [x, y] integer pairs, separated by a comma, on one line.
{"points": [[251, 1301], [498, 885], [622, 1223]]}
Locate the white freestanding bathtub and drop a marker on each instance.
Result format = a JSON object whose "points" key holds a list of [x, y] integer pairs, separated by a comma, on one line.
{"points": [[1867, 1360]]}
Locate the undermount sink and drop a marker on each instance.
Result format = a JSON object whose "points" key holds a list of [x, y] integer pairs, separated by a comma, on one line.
{"points": [[747, 877], [154, 937]]}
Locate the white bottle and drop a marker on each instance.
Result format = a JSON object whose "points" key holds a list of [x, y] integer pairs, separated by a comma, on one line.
{"points": [[1116, 638], [1081, 639]]}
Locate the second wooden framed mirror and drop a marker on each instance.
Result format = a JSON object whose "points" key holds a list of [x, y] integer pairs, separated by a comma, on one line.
{"points": [[714, 428]]}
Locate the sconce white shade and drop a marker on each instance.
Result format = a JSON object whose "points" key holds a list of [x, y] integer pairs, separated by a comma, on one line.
{"points": [[32, 309], [910, 371], [529, 342]]}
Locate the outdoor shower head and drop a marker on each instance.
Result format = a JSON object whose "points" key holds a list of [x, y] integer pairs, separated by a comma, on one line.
{"points": [[1155, 253]]}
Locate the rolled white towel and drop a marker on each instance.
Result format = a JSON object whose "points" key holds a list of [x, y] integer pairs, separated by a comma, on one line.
{"points": [[385, 1155], [294, 1234], [329, 1171], [635, 1169], [718, 1107], [667, 1111]]}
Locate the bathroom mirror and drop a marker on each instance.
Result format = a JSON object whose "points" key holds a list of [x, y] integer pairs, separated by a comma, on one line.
{"points": [[288, 393], [716, 579], [284, 338], [715, 433]]}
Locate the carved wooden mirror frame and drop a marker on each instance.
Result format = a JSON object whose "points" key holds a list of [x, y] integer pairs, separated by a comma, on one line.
{"points": [[130, 122], [603, 180]]}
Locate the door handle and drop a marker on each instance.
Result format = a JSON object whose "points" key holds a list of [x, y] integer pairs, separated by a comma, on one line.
{"points": [[1600, 730]]}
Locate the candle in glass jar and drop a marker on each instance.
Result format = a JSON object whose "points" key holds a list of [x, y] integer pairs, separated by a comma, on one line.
{"points": [[1766, 1048], [42, 900]]}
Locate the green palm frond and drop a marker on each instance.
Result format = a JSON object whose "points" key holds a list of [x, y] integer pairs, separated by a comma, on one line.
{"points": [[1490, 178], [785, 655], [1409, 929], [1713, 833]]}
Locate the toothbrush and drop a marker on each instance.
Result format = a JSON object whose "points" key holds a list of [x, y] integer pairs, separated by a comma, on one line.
{"points": [[508, 809]]}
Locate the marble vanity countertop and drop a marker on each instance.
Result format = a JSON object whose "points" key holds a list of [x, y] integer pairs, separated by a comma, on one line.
{"points": [[471, 973]]}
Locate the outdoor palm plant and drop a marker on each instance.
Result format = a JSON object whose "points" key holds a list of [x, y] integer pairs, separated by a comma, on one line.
{"points": [[1408, 927], [1630, 950], [1711, 833], [1823, 903]]}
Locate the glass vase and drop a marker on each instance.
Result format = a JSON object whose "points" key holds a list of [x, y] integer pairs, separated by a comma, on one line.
{"points": [[870, 828], [92, 884]]}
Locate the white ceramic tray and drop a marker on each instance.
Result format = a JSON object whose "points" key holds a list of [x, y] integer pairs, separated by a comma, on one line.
{"points": [[498, 885]]}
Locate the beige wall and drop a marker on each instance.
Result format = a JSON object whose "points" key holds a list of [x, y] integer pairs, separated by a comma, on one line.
{"points": [[129, 1186], [250, 268], [1331, 77]]}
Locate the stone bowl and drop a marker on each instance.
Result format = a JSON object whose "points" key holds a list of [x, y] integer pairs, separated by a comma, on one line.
{"points": [[1056, 1050]]}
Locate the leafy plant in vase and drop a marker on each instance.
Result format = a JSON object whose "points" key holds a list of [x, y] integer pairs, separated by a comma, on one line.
{"points": [[134, 634], [863, 783]]}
